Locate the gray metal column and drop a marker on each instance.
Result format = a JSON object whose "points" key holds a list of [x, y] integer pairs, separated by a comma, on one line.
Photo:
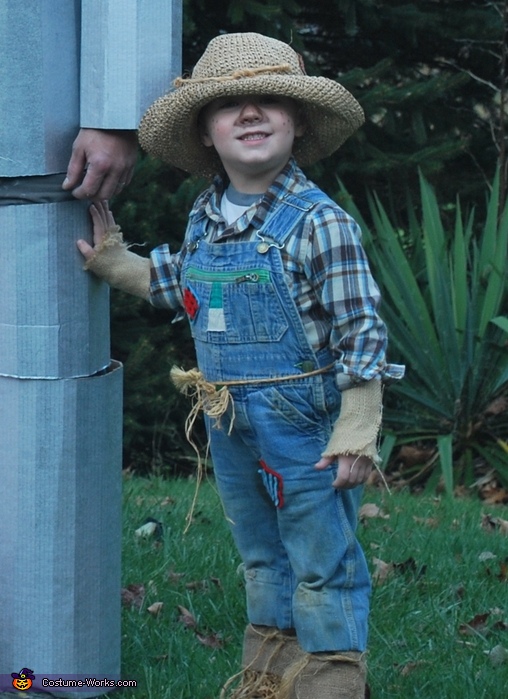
{"points": [[60, 394], [60, 452]]}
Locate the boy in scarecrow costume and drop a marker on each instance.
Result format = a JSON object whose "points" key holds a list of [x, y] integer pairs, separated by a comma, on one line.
{"points": [[290, 349]]}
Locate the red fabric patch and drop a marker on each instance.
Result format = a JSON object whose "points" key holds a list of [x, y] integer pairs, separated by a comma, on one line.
{"points": [[273, 483], [190, 303]]}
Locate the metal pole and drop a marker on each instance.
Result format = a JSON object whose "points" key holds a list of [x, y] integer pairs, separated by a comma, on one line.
{"points": [[60, 393]]}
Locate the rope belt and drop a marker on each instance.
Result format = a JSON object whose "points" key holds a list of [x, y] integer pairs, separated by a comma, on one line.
{"points": [[214, 398]]}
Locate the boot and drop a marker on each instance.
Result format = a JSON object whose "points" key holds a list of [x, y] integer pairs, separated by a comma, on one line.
{"points": [[267, 653], [325, 676]]}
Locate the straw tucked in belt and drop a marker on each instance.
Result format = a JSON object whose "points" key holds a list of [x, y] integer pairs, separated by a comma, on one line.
{"points": [[214, 398]]}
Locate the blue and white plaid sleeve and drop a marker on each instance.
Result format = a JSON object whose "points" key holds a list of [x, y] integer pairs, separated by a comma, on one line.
{"points": [[347, 293], [165, 278]]}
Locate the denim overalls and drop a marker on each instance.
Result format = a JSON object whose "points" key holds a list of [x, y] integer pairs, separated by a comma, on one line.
{"points": [[304, 567]]}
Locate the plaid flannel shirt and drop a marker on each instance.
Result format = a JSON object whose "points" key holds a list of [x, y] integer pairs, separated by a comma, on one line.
{"points": [[326, 270]]}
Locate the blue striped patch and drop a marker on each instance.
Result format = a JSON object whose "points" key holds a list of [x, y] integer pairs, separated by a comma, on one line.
{"points": [[273, 483]]}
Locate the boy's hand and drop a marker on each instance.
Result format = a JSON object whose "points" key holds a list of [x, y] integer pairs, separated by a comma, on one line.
{"points": [[110, 259], [102, 220], [352, 470]]}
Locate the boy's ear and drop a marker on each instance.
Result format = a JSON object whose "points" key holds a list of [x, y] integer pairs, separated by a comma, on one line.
{"points": [[203, 134], [300, 129], [202, 129], [300, 123], [205, 138]]}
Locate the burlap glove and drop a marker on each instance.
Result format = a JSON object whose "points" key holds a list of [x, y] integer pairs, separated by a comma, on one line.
{"points": [[357, 426], [119, 267]]}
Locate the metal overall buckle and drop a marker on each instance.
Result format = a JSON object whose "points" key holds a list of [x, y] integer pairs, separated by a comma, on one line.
{"points": [[263, 246]]}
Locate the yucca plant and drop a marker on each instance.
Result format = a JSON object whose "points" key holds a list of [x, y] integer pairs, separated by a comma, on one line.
{"points": [[445, 301]]}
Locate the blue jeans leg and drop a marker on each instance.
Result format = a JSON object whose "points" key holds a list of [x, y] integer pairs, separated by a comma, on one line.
{"points": [[252, 518], [303, 563]]}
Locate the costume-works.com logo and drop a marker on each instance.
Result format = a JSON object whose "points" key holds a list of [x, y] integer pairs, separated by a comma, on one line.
{"points": [[23, 679]]}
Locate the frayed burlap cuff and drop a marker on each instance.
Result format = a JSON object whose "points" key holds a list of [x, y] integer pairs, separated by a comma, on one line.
{"points": [[336, 675], [357, 427], [119, 267]]}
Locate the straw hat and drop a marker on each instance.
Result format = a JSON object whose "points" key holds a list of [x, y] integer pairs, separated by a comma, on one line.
{"points": [[247, 64]]}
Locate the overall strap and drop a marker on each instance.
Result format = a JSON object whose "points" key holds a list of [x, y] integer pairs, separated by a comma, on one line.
{"points": [[196, 229], [197, 221], [288, 212]]}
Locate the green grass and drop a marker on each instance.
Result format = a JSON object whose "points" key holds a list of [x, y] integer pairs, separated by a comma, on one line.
{"points": [[417, 645]]}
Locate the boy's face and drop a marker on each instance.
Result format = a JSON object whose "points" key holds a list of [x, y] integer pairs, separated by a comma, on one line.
{"points": [[253, 136]]}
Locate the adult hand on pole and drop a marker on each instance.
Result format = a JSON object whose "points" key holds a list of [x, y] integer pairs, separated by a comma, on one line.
{"points": [[101, 164]]}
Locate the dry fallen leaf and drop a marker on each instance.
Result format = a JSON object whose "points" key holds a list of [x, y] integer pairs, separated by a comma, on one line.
{"points": [[486, 556], [155, 608], [428, 521], [149, 528], [502, 576], [382, 570], [212, 641], [477, 624], [410, 667], [197, 585], [498, 655], [187, 618], [491, 523], [503, 571], [410, 455], [174, 577], [410, 566], [500, 626], [370, 509], [497, 406], [494, 495], [133, 595]]}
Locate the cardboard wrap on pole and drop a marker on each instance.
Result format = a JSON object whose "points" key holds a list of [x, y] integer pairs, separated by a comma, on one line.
{"points": [[54, 316], [66, 65], [61, 526], [128, 48], [39, 77], [127, 52]]}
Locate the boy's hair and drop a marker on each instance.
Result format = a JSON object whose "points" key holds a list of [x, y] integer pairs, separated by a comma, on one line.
{"points": [[247, 64]]}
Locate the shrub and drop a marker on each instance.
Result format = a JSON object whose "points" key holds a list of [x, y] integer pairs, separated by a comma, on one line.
{"points": [[444, 293]]}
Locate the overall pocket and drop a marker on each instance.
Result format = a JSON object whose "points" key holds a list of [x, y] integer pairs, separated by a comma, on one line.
{"points": [[235, 307]]}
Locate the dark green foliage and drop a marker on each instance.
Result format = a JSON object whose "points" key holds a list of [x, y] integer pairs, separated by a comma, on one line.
{"points": [[152, 212], [202, 23], [429, 76], [444, 289]]}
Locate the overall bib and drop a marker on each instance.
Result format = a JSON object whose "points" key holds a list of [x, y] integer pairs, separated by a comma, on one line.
{"points": [[304, 567]]}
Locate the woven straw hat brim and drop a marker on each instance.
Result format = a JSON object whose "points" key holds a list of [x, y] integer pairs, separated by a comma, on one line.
{"points": [[169, 128]]}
